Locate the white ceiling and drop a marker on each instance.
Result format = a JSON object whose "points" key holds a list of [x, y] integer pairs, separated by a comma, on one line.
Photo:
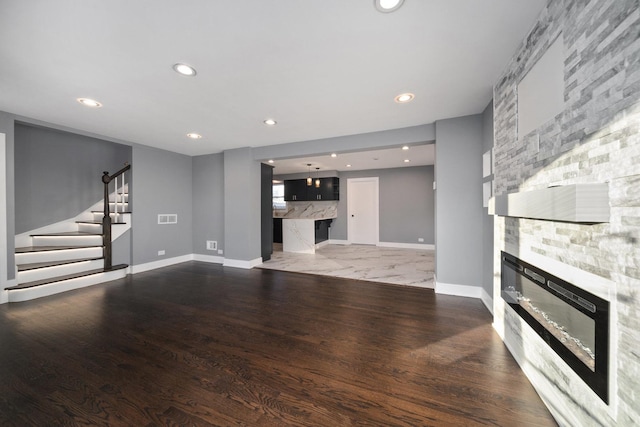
{"points": [[320, 68]]}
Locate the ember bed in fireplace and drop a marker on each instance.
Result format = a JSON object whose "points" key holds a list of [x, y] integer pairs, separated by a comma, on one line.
{"points": [[572, 321]]}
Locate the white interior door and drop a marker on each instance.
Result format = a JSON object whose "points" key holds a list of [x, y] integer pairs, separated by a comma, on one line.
{"points": [[362, 211]]}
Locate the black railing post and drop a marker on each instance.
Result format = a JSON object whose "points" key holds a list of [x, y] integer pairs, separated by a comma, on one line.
{"points": [[106, 224], [106, 219]]}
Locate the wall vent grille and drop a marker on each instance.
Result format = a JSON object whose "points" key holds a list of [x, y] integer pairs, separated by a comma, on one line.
{"points": [[167, 218]]}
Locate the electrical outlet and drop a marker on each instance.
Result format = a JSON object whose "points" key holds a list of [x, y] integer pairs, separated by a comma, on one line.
{"points": [[220, 252], [421, 239], [160, 252], [212, 245]]}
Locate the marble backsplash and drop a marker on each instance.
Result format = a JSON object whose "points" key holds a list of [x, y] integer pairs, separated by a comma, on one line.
{"points": [[308, 210]]}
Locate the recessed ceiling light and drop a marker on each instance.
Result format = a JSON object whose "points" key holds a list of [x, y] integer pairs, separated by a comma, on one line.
{"points": [[404, 98], [194, 135], [270, 122], [184, 69], [407, 160], [334, 155], [406, 147], [387, 6], [88, 102], [270, 161], [348, 166]]}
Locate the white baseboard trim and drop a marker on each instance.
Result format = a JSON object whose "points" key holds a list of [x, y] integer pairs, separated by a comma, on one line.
{"points": [[238, 263], [4, 296], [457, 290], [421, 246], [338, 242], [140, 268], [213, 259], [487, 301], [322, 244]]}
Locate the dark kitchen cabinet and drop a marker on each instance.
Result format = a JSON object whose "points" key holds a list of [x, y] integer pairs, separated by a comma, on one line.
{"points": [[329, 189], [277, 230], [322, 230], [297, 190]]}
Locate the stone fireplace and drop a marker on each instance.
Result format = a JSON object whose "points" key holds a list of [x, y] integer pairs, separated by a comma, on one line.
{"points": [[593, 140]]}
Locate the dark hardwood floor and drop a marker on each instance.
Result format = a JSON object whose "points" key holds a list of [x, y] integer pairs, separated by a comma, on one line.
{"points": [[198, 344]]}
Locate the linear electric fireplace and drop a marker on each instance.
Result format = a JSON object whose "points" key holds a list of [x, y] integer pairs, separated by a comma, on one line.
{"points": [[572, 321]]}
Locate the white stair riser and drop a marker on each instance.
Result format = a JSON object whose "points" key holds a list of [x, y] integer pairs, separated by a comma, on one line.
{"points": [[90, 228], [58, 270], [67, 240], [62, 255], [27, 294]]}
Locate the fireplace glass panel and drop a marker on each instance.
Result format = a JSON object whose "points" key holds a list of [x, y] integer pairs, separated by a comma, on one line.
{"points": [[572, 328], [572, 321]]}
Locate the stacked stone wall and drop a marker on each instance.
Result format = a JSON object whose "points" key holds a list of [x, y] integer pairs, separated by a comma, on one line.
{"points": [[595, 139]]}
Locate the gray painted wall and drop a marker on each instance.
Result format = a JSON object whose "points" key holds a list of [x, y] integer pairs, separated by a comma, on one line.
{"points": [[487, 220], [208, 202], [241, 205], [7, 127], [163, 185], [406, 204], [121, 249], [57, 174], [459, 211]]}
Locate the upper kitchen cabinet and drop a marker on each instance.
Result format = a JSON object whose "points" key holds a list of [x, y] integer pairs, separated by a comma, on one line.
{"points": [[329, 189], [296, 190]]}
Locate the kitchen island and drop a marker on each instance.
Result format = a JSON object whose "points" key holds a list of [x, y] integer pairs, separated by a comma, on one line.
{"points": [[299, 235], [305, 226]]}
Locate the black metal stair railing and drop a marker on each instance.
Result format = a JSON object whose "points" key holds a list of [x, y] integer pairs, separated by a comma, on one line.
{"points": [[106, 220]]}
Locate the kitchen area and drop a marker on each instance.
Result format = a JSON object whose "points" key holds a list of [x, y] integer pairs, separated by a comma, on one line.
{"points": [[301, 224], [310, 216]]}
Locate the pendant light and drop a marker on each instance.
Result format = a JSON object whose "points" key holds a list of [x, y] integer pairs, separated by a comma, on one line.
{"points": [[309, 180], [317, 178]]}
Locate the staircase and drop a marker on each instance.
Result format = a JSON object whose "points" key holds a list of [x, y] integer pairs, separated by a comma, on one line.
{"points": [[74, 253]]}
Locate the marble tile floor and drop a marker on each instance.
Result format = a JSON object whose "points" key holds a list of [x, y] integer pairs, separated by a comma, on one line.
{"points": [[410, 267]]}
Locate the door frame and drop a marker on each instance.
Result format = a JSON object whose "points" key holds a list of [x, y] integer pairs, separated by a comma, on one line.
{"points": [[350, 182], [4, 271]]}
